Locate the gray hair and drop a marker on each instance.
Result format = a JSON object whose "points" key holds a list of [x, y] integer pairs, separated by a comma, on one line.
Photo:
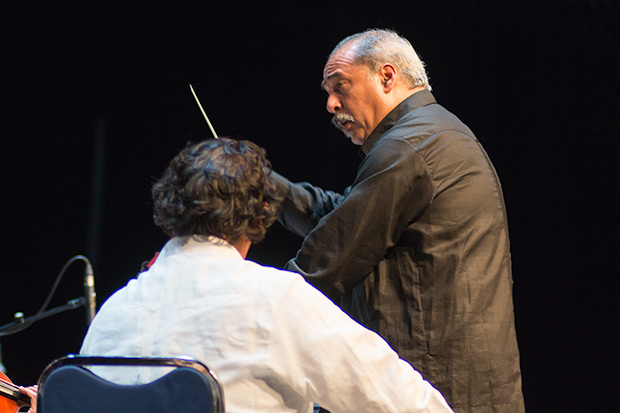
{"points": [[375, 47]]}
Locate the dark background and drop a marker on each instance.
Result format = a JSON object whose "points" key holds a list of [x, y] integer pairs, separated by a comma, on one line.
{"points": [[107, 85]]}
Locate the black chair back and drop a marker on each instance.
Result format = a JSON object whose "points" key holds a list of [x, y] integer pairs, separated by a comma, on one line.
{"points": [[68, 386]]}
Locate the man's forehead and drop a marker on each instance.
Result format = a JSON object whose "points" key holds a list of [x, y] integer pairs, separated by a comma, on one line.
{"points": [[339, 64], [333, 75], [343, 57], [347, 71]]}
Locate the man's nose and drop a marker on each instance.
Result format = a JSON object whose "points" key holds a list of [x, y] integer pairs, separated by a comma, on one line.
{"points": [[333, 104]]}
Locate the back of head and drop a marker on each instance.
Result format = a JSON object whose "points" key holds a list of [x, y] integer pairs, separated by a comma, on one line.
{"points": [[217, 187], [375, 47]]}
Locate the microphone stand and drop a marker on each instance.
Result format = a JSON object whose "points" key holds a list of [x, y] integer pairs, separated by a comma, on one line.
{"points": [[21, 322]]}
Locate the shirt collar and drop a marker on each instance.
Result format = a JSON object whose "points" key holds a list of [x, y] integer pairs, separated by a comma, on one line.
{"points": [[417, 100], [199, 244]]}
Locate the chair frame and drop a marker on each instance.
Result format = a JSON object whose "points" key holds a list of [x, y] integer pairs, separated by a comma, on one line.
{"points": [[83, 361]]}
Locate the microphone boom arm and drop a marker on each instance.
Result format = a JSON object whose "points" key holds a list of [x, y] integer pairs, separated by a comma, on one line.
{"points": [[21, 322]]}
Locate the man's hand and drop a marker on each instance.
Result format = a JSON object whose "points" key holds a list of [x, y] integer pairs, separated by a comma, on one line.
{"points": [[31, 392]]}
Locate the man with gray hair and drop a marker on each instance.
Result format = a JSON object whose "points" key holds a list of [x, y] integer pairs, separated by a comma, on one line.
{"points": [[417, 248]]}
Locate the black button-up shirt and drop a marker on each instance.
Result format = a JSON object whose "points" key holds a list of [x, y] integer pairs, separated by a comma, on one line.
{"points": [[417, 250]]}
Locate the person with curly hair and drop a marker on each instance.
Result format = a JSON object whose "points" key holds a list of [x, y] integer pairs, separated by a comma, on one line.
{"points": [[275, 343], [217, 188]]}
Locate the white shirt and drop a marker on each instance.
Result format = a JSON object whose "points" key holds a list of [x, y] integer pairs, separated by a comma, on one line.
{"points": [[275, 342]]}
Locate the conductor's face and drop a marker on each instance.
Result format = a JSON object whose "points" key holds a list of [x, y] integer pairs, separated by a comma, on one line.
{"points": [[354, 95]]}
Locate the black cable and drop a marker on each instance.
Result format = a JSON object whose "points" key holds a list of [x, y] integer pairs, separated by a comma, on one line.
{"points": [[59, 278], [21, 324]]}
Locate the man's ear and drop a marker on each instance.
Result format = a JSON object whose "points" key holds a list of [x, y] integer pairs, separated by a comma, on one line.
{"points": [[387, 74]]}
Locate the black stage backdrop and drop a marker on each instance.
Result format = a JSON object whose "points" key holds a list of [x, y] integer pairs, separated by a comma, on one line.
{"points": [[96, 102]]}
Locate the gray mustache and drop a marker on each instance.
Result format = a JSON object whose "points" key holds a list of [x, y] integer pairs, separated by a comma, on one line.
{"points": [[342, 117]]}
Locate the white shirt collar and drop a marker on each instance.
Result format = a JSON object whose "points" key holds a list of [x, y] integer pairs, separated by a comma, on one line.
{"points": [[199, 243]]}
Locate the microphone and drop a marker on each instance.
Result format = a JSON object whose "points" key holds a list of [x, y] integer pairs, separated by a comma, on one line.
{"points": [[89, 291]]}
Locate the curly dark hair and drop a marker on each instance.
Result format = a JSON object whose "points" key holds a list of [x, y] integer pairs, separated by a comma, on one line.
{"points": [[217, 187]]}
